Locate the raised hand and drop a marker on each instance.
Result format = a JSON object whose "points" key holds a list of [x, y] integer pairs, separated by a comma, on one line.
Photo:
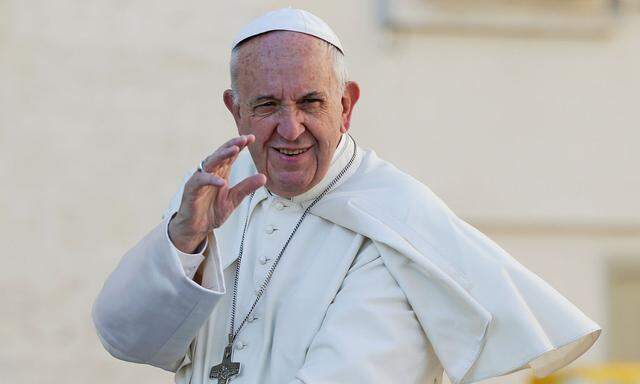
{"points": [[207, 200]]}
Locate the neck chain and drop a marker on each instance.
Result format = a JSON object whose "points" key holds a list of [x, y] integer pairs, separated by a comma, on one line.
{"points": [[227, 368]]}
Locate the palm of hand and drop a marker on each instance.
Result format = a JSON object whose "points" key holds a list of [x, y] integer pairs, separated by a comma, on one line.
{"points": [[207, 200]]}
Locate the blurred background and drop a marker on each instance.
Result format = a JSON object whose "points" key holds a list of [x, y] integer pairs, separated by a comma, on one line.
{"points": [[523, 115]]}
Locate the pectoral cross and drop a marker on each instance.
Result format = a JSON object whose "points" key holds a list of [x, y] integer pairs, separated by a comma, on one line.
{"points": [[226, 369]]}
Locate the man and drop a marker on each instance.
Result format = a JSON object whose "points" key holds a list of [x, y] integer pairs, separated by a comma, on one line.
{"points": [[314, 261]]}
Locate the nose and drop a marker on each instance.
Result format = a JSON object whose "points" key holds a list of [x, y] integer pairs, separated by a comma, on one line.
{"points": [[290, 125]]}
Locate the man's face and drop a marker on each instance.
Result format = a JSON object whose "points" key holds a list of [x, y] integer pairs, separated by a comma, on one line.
{"points": [[289, 98]]}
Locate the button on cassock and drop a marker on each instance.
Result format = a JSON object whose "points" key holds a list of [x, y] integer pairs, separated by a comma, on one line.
{"points": [[269, 229], [279, 205], [264, 260], [241, 345]]}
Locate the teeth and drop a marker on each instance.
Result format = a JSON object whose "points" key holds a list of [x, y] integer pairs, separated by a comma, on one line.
{"points": [[291, 152]]}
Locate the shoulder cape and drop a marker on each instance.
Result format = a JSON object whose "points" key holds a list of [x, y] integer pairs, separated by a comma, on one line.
{"points": [[483, 312]]}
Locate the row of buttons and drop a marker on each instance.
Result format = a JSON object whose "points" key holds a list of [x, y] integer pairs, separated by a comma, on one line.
{"points": [[269, 229], [278, 205], [240, 345]]}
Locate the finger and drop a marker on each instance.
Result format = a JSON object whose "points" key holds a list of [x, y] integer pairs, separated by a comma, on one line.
{"points": [[246, 187], [240, 141], [250, 139], [226, 152], [219, 157], [201, 179]]}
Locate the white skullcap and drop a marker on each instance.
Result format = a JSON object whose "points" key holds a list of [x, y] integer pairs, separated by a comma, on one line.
{"points": [[289, 19]]}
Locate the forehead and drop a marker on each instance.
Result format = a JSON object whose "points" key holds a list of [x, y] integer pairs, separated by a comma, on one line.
{"points": [[285, 62]]}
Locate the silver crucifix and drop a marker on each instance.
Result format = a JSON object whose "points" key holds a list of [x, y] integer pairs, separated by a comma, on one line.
{"points": [[226, 369]]}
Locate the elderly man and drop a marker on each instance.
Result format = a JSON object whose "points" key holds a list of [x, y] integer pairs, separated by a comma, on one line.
{"points": [[314, 261]]}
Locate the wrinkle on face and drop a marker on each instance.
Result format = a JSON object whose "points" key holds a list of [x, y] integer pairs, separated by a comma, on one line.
{"points": [[289, 96]]}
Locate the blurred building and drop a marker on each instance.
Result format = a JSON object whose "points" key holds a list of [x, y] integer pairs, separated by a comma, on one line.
{"points": [[522, 115]]}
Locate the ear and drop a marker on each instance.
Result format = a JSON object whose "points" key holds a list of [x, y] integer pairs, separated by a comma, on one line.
{"points": [[234, 108], [350, 97]]}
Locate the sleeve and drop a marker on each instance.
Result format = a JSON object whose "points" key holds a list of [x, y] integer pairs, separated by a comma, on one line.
{"points": [[370, 333], [149, 310], [189, 261]]}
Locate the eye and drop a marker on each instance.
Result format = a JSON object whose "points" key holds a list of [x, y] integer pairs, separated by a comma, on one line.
{"points": [[311, 103], [265, 108]]}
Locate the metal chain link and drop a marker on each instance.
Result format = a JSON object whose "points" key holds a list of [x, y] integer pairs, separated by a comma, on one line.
{"points": [[265, 283]]}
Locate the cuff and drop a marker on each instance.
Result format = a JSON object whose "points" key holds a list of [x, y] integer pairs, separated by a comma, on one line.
{"points": [[189, 261], [213, 275]]}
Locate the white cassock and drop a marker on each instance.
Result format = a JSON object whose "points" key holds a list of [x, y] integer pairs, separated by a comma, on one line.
{"points": [[382, 283]]}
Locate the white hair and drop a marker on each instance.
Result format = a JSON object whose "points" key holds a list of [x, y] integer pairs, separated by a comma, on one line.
{"points": [[337, 60]]}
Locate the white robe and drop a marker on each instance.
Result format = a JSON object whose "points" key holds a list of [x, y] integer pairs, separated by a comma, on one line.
{"points": [[382, 283]]}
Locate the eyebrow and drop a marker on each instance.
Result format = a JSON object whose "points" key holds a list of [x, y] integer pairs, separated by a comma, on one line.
{"points": [[312, 94]]}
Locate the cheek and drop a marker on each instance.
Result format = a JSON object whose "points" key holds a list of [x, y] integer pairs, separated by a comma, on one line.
{"points": [[263, 131], [322, 156]]}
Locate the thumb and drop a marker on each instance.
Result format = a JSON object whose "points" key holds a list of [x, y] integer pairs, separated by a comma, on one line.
{"points": [[246, 187]]}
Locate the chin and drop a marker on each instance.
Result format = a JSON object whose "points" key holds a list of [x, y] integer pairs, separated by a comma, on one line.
{"points": [[292, 189], [292, 182], [291, 186]]}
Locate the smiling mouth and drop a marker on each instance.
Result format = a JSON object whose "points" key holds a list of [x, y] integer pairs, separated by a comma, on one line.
{"points": [[291, 152]]}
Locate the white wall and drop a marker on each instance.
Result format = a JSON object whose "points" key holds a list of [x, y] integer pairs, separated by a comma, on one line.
{"points": [[104, 105]]}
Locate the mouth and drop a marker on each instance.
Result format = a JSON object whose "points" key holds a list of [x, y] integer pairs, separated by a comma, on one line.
{"points": [[291, 152]]}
